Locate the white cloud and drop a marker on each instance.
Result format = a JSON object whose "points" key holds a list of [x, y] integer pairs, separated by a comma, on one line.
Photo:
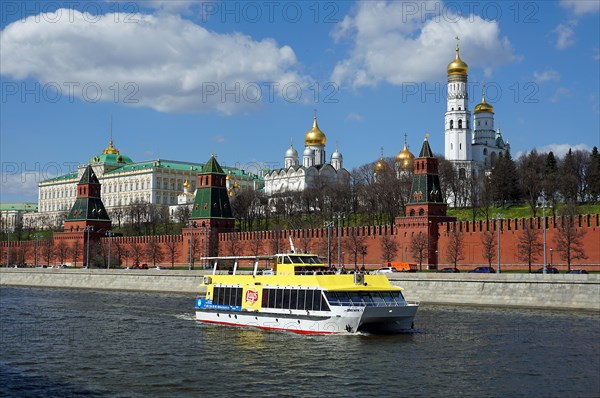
{"points": [[173, 64], [560, 93], [580, 7], [391, 46], [20, 185], [561, 150], [354, 117], [565, 36], [547, 75]]}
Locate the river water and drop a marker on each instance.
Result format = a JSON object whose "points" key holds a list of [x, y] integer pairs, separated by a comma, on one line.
{"points": [[82, 343]]}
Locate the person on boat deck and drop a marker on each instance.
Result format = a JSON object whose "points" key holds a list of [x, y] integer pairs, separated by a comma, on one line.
{"points": [[343, 269], [362, 268]]}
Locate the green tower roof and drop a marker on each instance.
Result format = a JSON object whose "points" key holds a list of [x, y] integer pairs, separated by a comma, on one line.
{"points": [[212, 167]]}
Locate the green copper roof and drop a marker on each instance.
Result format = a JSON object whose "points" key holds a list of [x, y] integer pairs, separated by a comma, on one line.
{"points": [[111, 158], [211, 202], [425, 189], [65, 177], [88, 209], [426, 150], [18, 206], [212, 167], [88, 176]]}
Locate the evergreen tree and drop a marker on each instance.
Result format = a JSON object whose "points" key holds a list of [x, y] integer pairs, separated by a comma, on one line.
{"points": [[567, 184], [593, 177], [550, 181], [504, 180]]}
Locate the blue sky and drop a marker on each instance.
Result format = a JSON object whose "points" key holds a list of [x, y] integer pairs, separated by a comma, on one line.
{"points": [[242, 79]]}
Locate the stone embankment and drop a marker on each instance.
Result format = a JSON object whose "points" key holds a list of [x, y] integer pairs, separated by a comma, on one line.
{"points": [[561, 291]]}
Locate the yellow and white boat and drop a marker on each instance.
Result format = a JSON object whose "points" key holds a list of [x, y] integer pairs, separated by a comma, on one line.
{"points": [[301, 294]]}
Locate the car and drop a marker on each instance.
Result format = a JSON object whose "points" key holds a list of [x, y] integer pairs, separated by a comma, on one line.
{"points": [[549, 270], [448, 269], [385, 270], [577, 271], [483, 270]]}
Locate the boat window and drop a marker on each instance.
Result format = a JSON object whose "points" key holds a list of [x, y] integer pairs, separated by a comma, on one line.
{"points": [[286, 299], [278, 299], [333, 298], [355, 298], [309, 300], [301, 299], [296, 259], [377, 299], [286, 260], [294, 299], [231, 296], [265, 298], [323, 306], [366, 297]]}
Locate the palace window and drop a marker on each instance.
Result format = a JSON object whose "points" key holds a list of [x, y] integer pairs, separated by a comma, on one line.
{"points": [[460, 124], [451, 124]]}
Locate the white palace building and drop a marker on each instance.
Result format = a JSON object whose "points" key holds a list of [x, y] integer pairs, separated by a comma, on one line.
{"points": [[296, 177], [160, 182]]}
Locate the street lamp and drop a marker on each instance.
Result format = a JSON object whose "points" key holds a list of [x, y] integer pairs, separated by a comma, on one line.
{"points": [[498, 227], [436, 259], [363, 252], [328, 224], [8, 248], [551, 262], [190, 226], [428, 246], [110, 234], [339, 217], [544, 204], [36, 236], [87, 256]]}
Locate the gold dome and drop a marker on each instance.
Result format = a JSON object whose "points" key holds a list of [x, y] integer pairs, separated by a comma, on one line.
{"points": [[405, 158], [186, 184], [380, 166], [110, 149], [315, 136], [458, 66], [483, 106]]}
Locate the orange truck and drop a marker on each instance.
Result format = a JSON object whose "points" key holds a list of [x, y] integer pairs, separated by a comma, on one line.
{"points": [[401, 266]]}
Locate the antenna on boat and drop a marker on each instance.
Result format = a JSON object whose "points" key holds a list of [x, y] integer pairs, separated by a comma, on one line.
{"points": [[293, 249]]}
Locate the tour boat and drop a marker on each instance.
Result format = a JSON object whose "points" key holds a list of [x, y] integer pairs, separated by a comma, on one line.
{"points": [[301, 294]]}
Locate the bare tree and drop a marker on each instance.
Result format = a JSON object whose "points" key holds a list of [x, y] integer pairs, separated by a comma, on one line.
{"points": [[182, 213], [488, 246], [529, 246], [355, 244], [75, 251], [455, 247], [47, 248], [418, 248], [234, 244], [255, 244], [172, 246], [389, 247], [136, 250], [154, 250], [568, 239], [61, 251]]}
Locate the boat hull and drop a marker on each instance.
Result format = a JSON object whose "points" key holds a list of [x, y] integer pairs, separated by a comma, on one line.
{"points": [[346, 320]]}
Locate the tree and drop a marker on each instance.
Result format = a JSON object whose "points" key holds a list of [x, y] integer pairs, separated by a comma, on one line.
{"points": [[172, 245], [355, 244], [182, 213], [61, 251], [234, 244], [504, 180], [47, 249], [136, 250], [593, 176], [568, 239], [389, 248], [418, 248], [154, 250], [529, 246], [455, 246], [255, 244], [550, 182], [75, 251], [488, 245], [531, 171]]}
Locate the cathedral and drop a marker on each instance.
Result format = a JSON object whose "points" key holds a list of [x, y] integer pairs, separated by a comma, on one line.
{"points": [[471, 147], [296, 177]]}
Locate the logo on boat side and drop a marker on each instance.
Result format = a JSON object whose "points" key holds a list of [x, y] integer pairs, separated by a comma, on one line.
{"points": [[251, 296]]}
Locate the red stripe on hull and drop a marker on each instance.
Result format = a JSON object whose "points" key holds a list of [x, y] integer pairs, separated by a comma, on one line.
{"points": [[265, 327]]}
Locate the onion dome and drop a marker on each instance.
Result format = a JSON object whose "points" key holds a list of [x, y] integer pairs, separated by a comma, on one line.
{"points": [[458, 66], [229, 176], [380, 166], [110, 149], [336, 155], [483, 106], [404, 158], [291, 152], [315, 136], [186, 184], [308, 152]]}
